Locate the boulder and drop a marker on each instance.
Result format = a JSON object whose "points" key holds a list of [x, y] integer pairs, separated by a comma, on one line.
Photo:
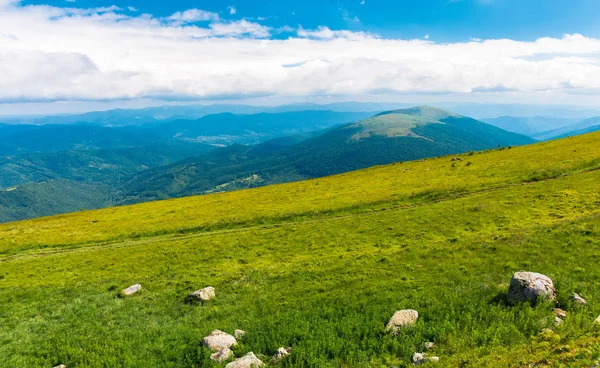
{"points": [[203, 295], [247, 361], [282, 353], [420, 358], [219, 340], [529, 286], [221, 355], [578, 299], [131, 290], [239, 334], [402, 318], [428, 345]]}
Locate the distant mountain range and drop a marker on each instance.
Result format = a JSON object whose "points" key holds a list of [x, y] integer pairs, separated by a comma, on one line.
{"points": [[49, 169]]}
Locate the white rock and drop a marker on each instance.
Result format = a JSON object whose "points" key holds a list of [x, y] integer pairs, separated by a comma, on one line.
{"points": [[578, 299], [239, 334], [247, 361], [203, 295], [131, 290], [429, 345], [282, 353], [402, 318], [221, 355], [61, 366], [219, 340], [433, 359], [562, 314], [597, 320], [418, 358], [529, 286]]}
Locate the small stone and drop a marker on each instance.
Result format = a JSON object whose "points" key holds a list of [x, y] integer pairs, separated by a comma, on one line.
{"points": [[203, 295], [597, 320], [457, 159], [282, 353], [428, 345], [221, 355], [402, 318], [578, 299], [131, 290], [558, 321], [219, 340], [247, 361], [418, 358], [562, 314], [529, 286], [61, 366], [239, 334], [433, 359]]}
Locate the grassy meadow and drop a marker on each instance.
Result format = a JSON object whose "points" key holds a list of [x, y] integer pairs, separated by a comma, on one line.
{"points": [[321, 266]]}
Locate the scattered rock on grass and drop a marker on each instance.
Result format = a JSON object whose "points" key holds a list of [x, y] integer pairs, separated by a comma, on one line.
{"points": [[529, 286], [402, 318], [421, 358], [428, 345], [203, 295], [578, 299], [219, 340], [239, 334], [282, 353], [456, 159], [597, 320], [247, 361], [131, 290], [61, 366]]}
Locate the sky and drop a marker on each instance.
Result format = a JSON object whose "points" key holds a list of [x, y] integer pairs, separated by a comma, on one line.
{"points": [[61, 55]]}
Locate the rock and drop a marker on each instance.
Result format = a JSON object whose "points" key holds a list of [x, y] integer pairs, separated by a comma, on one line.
{"points": [[282, 353], [402, 318], [428, 345], [529, 286], [61, 366], [578, 299], [247, 361], [420, 358], [239, 334], [203, 295], [219, 340], [558, 321], [597, 320], [131, 290], [560, 313], [221, 355]]}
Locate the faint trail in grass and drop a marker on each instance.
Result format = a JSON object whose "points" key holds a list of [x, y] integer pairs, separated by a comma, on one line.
{"points": [[366, 211]]}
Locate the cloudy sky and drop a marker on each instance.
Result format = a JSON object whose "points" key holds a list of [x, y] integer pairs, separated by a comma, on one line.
{"points": [[123, 53]]}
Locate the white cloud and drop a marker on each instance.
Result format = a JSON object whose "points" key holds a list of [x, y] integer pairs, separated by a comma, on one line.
{"points": [[193, 15], [232, 9], [50, 53]]}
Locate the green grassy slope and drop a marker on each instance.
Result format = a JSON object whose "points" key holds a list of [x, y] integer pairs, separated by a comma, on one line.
{"points": [[321, 265]]}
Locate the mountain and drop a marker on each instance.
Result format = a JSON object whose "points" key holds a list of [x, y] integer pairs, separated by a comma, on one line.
{"points": [[50, 138], [393, 136], [93, 166], [321, 266], [572, 129], [591, 129], [529, 126], [231, 128]]}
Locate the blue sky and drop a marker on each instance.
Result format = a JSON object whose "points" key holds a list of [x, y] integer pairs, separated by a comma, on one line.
{"points": [[133, 52], [443, 20]]}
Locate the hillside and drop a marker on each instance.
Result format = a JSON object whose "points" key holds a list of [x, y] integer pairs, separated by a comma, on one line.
{"points": [[321, 266], [399, 135], [530, 126], [228, 128], [580, 127]]}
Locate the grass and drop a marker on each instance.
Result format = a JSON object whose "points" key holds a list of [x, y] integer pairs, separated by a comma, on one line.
{"points": [[321, 266]]}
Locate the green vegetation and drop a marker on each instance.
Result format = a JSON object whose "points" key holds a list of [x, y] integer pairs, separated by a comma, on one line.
{"points": [[399, 135], [321, 265]]}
